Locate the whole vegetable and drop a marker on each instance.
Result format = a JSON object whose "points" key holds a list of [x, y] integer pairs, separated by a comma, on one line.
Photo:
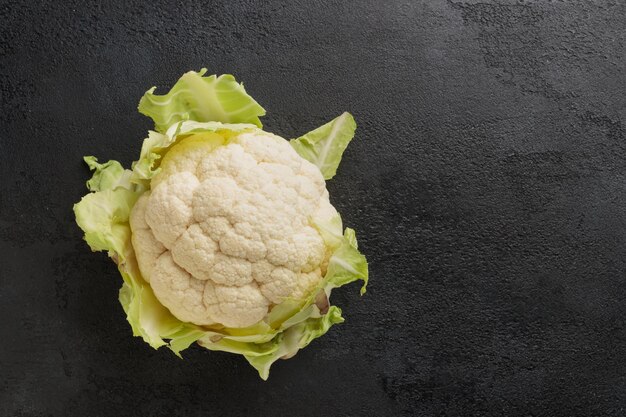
{"points": [[224, 233]]}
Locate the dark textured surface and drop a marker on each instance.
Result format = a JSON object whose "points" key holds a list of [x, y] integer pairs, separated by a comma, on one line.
{"points": [[486, 183]]}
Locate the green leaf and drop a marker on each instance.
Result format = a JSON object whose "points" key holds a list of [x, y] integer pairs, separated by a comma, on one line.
{"points": [[324, 146], [107, 176], [103, 216], [203, 99], [148, 318], [330, 230], [296, 337], [347, 264], [143, 168], [191, 126], [183, 338]]}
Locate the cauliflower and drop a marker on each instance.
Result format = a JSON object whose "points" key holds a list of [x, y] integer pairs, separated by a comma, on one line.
{"points": [[224, 233]]}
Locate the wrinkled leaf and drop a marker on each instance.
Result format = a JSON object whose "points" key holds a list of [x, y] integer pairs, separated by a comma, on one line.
{"points": [[203, 99], [107, 176]]}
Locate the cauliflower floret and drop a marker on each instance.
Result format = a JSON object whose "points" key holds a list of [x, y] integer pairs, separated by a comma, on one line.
{"points": [[226, 232], [177, 290], [195, 252], [168, 211], [147, 247], [235, 306]]}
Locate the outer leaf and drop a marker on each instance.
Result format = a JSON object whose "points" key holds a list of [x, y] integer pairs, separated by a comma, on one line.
{"points": [[107, 176], [330, 230], [324, 146], [143, 169], [347, 264], [148, 318], [293, 339], [183, 338], [203, 99], [103, 216]]}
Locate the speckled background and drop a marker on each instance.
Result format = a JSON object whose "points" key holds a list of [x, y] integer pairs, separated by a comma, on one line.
{"points": [[486, 182]]}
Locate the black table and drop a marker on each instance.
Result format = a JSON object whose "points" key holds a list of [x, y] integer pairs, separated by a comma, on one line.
{"points": [[486, 183]]}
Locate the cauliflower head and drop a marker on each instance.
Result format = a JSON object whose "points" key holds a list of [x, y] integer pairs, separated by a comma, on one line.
{"points": [[222, 232], [225, 232]]}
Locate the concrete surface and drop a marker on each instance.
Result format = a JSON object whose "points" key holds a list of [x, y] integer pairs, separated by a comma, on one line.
{"points": [[486, 184]]}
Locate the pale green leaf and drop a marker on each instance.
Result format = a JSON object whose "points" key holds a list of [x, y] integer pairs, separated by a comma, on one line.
{"points": [[203, 99], [293, 339], [347, 264], [107, 176], [324, 146]]}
